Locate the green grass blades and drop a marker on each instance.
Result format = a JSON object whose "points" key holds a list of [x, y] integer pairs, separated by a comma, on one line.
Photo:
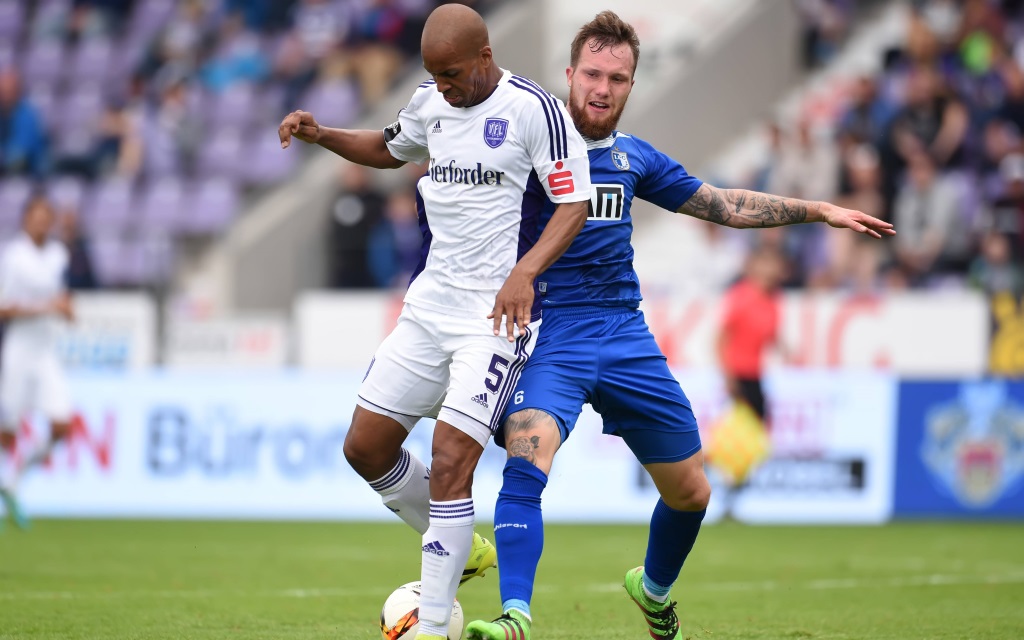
{"points": [[162, 579]]}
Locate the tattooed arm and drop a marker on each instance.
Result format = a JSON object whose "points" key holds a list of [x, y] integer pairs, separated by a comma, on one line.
{"points": [[743, 209]]}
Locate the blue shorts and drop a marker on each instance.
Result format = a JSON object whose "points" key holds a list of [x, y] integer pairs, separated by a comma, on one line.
{"points": [[608, 357]]}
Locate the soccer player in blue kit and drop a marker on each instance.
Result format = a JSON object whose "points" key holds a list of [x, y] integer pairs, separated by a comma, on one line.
{"points": [[596, 347]]}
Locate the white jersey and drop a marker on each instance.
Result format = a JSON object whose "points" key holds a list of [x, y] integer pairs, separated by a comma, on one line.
{"points": [[492, 166], [31, 275]]}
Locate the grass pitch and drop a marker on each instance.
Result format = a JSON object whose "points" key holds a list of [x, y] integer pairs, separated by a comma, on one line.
{"points": [[155, 579]]}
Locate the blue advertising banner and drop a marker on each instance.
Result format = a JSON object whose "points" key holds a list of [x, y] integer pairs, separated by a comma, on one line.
{"points": [[960, 449]]}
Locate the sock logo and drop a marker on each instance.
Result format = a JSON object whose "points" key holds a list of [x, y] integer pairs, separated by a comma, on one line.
{"points": [[435, 548], [514, 525], [481, 400]]}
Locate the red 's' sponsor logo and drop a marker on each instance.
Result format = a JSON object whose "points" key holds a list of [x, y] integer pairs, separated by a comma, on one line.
{"points": [[561, 183]]}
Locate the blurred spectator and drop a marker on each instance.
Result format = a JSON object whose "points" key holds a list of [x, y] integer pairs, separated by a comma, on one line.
{"points": [[356, 210], [825, 23], [237, 57], [23, 144], [865, 120], [80, 273], [931, 121], [396, 242], [1006, 215], [171, 135], [925, 214], [320, 30], [994, 270]]}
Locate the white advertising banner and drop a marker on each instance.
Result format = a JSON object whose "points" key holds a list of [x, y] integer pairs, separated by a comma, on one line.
{"points": [[269, 445], [111, 331], [237, 343], [907, 334]]}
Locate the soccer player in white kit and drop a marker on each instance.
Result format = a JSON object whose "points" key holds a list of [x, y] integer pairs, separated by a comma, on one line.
{"points": [[35, 304], [498, 146]]}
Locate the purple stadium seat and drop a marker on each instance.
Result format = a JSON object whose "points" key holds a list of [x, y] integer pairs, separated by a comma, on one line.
{"points": [[265, 161], [161, 206], [212, 206], [12, 18], [108, 210], [91, 61], [66, 192], [14, 193], [221, 154], [150, 16], [43, 61], [232, 108], [338, 98]]}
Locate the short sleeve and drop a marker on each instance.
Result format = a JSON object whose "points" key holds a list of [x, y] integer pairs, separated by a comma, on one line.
{"points": [[406, 137], [558, 151], [664, 182]]}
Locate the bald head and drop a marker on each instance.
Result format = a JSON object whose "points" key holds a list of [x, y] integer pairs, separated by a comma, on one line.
{"points": [[454, 27], [457, 54]]}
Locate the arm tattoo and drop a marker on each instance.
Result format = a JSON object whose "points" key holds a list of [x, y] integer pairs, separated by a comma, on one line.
{"points": [[742, 209]]}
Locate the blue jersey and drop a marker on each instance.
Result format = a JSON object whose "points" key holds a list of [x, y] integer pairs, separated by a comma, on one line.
{"points": [[597, 269]]}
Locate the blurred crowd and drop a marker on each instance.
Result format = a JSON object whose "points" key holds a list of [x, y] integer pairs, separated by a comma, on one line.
{"points": [[148, 121], [932, 143]]}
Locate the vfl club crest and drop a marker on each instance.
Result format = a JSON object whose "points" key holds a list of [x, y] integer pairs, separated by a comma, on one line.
{"points": [[974, 445], [620, 160], [494, 132]]}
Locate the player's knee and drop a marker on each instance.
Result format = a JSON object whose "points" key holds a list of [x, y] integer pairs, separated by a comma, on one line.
{"points": [[368, 459], [692, 493], [60, 431]]}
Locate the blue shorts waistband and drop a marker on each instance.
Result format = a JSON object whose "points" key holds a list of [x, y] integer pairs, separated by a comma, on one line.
{"points": [[584, 312]]}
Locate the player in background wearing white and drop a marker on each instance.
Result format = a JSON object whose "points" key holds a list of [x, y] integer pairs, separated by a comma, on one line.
{"points": [[498, 148], [35, 303], [596, 347]]}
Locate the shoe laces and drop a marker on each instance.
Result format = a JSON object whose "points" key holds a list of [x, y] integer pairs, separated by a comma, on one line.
{"points": [[664, 620], [506, 620]]}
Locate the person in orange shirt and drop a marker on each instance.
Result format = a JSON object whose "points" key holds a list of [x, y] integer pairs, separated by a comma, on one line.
{"points": [[750, 325]]}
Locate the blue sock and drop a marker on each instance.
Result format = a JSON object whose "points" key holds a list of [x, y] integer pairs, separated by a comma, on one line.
{"points": [[670, 540], [519, 532]]}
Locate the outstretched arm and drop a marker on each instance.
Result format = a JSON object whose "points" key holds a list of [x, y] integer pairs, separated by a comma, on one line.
{"points": [[365, 147], [743, 209]]}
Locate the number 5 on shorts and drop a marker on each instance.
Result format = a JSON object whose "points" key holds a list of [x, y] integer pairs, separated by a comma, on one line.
{"points": [[499, 366]]}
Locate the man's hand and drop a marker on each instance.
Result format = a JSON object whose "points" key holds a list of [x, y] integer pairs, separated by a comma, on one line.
{"points": [[859, 221], [62, 306], [515, 302], [300, 124]]}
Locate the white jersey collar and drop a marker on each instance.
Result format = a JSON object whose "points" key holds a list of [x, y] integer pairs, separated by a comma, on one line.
{"points": [[603, 143]]}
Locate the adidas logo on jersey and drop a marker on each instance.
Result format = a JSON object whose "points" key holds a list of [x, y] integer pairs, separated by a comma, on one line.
{"points": [[435, 548], [437, 128], [480, 399]]}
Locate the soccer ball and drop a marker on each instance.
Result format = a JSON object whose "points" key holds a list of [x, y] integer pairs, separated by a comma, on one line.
{"points": [[400, 616]]}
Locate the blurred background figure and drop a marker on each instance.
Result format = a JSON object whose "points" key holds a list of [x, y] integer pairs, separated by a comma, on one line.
{"points": [[34, 303], [396, 241]]}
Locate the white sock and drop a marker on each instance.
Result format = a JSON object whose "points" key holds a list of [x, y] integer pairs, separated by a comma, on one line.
{"points": [[446, 547], [406, 491]]}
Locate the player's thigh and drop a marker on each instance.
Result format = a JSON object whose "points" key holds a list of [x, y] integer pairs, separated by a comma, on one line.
{"points": [[52, 394], [558, 380], [409, 373], [640, 400], [484, 371], [17, 381]]}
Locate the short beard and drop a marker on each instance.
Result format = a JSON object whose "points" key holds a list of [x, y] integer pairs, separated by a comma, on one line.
{"points": [[589, 128]]}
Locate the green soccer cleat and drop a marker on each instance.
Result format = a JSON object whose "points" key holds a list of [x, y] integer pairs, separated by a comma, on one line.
{"points": [[512, 625], [481, 558], [14, 509], [661, 617]]}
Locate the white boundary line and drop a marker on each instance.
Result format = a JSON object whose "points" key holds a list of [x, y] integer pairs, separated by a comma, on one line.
{"points": [[929, 580]]}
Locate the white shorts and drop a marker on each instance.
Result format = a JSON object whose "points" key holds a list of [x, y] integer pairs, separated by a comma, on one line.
{"points": [[445, 367], [29, 383]]}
